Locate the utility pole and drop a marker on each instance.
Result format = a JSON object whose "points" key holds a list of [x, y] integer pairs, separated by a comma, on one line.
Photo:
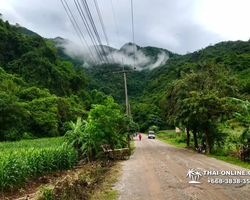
{"points": [[129, 105], [126, 95]]}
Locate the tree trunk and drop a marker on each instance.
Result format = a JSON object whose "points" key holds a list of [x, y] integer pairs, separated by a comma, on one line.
{"points": [[207, 142], [195, 139], [128, 138], [188, 137]]}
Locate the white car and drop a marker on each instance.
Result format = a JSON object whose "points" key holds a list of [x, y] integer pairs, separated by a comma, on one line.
{"points": [[151, 134]]}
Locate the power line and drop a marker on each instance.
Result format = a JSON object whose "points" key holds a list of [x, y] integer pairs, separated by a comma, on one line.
{"points": [[82, 15], [103, 26], [115, 22], [133, 29], [72, 22], [76, 26], [86, 7]]}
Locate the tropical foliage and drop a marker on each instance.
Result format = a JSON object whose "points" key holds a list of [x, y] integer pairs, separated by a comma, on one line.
{"points": [[46, 93], [105, 125], [242, 117], [39, 94], [197, 100]]}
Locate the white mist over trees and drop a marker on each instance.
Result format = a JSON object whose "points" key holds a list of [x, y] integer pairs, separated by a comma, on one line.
{"points": [[125, 55]]}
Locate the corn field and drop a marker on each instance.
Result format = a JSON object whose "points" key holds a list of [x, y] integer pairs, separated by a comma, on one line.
{"points": [[20, 161]]}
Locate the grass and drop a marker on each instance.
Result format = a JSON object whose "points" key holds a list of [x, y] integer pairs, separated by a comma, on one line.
{"points": [[172, 142], [108, 195], [170, 138], [105, 191], [132, 146], [91, 181], [231, 160], [237, 130]]}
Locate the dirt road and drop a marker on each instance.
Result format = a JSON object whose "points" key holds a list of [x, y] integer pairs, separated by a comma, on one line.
{"points": [[158, 171]]}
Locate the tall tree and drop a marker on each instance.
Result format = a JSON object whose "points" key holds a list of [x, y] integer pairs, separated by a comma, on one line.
{"points": [[196, 100]]}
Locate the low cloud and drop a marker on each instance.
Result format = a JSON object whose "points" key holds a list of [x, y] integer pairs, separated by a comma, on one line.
{"points": [[137, 59], [124, 56], [161, 59]]}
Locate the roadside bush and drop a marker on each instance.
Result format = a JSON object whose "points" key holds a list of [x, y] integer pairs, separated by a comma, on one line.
{"points": [[121, 142], [160, 134], [191, 139], [181, 139], [154, 128], [172, 135], [166, 134], [134, 127], [46, 193], [65, 127], [219, 151], [105, 125], [28, 136]]}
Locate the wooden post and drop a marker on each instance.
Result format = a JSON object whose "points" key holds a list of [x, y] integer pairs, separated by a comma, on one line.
{"points": [[188, 137], [126, 96]]}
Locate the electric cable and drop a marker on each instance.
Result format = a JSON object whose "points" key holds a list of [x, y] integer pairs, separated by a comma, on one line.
{"points": [[86, 7], [132, 13], [92, 38], [103, 26], [75, 27]]}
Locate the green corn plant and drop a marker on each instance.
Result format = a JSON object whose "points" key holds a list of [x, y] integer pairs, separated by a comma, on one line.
{"points": [[37, 157]]}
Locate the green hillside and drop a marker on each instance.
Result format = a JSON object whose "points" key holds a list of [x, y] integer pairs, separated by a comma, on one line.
{"points": [[148, 88], [234, 55], [43, 97], [39, 93], [26, 31], [58, 41]]}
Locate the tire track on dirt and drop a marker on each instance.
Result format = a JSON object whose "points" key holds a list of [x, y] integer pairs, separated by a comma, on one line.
{"points": [[178, 171], [153, 186], [158, 171], [230, 191]]}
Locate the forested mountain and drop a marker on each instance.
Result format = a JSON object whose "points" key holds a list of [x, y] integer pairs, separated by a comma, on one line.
{"points": [[59, 44], [27, 31], [41, 68], [39, 94], [101, 76], [235, 55]]}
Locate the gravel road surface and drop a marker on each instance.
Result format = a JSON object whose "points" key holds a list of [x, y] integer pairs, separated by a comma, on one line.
{"points": [[159, 171]]}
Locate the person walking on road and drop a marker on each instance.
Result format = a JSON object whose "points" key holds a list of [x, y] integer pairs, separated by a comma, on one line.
{"points": [[139, 136]]}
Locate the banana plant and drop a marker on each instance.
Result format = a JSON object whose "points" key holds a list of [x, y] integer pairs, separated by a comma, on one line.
{"points": [[242, 117], [76, 137]]}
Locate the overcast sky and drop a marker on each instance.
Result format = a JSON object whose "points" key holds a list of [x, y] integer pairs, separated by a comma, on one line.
{"points": [[177, 25]]}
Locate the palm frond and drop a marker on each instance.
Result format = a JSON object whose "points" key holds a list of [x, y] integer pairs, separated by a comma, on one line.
{"points": [[244, 116]]}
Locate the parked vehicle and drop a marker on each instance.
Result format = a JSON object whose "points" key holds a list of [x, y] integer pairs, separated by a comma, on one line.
{"points": [[151, 134], [201, 149]]}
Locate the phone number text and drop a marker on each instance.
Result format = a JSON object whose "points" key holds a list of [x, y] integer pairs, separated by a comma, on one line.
{"points": [[228, 181]]}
